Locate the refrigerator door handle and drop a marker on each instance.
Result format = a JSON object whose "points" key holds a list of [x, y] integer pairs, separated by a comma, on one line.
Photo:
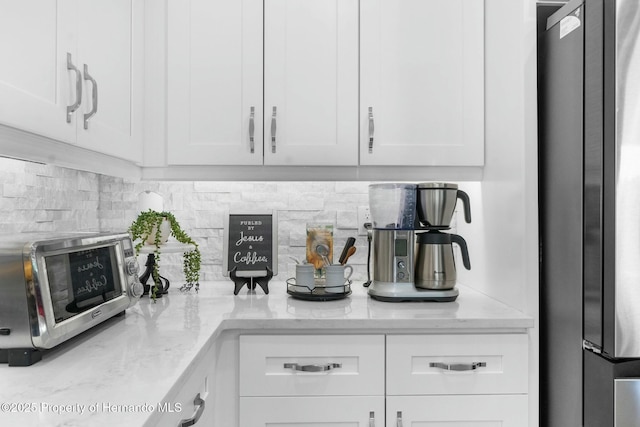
{"points": [[587, 345]]}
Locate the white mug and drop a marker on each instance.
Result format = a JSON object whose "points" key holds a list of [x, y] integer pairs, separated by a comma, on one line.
{"points": [[305, 276], [336, 278]]}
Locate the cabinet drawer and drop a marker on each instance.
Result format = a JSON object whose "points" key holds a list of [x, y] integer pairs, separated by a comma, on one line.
{"points": [[324, 411], [311, 365], [510, 410], [457, 364]]}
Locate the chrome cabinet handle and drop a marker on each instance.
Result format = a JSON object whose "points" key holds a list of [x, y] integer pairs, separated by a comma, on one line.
{"points": [[458, 366], [94, 97], [73, 107], [371, 129], [312, 368], [273, 131], [399, 419], [372, 419], [252, 129], [199, 404]]}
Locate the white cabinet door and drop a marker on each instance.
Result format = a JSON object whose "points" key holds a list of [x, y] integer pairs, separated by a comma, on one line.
{"points": [[35, 85], [38, 41], [422, 82], [105, 45], [214, 92], [365, 411], [194, 402], [311, 82], [458, 411]]}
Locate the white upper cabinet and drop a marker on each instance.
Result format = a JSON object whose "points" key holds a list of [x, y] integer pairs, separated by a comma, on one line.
{"points": [[214, 95], [34, 82], [45, 88], [219, 54], [422, 82], [109, 46], [311, 82]]}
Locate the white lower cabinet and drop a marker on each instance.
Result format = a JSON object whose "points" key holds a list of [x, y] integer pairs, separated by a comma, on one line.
{"points": [[311, 380], [193, 405], [419, 380], [457, 380], [457, 411]]}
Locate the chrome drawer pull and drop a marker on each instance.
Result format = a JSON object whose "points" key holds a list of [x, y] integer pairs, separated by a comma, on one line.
{"points": [[312, 368], [372, 419], [199, 404], [273, 130], [252, 130], [73, 107], [458, 366], [94, 97], [399, 419], [371, 129]]}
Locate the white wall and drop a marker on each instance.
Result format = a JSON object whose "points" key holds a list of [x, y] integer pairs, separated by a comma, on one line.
{"points": [[503, 237]]}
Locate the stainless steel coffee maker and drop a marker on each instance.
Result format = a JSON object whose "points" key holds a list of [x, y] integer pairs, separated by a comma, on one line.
{"points": [[413, 258]]}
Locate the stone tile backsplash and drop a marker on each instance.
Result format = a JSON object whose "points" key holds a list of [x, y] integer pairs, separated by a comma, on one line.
{"points": [[36, 197], [42, 198]]}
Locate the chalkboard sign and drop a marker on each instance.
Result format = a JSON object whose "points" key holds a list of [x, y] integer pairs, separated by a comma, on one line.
{"points": [[251, 244]]}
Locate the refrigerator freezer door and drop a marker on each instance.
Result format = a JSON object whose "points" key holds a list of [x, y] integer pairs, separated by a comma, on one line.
{"points": [[627, 179]]}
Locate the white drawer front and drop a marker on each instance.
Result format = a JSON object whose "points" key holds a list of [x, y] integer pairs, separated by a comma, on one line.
{"points": [[323, 411], [457, 364], [510, 410], [311, 365]]}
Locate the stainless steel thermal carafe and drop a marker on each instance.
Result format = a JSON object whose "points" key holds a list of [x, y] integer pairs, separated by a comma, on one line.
{"points": [[435, 266]]}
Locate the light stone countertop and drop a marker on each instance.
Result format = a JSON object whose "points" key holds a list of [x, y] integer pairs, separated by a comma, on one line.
{"points": [[138, 359]]}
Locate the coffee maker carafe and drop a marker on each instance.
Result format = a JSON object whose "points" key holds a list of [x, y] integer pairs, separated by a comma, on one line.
{"points": [[435, 267], [405, 269]]}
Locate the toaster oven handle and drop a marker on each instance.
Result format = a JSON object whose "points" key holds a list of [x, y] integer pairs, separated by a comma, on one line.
{"points": [[199, 404]]}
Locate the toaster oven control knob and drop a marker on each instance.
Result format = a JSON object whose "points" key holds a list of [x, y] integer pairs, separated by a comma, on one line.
{"points": [[133, 268], [136, 289]]}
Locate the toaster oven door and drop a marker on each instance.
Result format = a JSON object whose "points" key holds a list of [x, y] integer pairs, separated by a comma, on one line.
{"points": [[76, 289]]}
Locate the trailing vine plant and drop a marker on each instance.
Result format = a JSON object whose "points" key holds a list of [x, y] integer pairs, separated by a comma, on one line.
{"points": [[149, 222]]}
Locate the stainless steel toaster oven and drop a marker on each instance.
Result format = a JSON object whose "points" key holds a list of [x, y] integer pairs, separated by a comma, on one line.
{"points": [[54, 287]]}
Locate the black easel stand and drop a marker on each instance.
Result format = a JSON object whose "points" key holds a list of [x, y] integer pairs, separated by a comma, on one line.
{"points": [[162, 283], [250, 281]]}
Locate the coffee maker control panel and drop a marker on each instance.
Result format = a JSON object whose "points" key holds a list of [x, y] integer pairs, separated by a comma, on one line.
{"points": [[402, 243], [393, 255]]}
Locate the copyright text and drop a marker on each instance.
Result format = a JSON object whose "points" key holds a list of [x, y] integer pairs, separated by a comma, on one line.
{"points": [[79, 409]]}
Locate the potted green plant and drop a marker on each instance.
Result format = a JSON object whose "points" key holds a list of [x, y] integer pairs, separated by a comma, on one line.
{"points": [[153, 228]]}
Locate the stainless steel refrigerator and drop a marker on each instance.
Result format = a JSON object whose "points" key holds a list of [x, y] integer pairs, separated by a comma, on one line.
{"points": [[589, 172]]}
